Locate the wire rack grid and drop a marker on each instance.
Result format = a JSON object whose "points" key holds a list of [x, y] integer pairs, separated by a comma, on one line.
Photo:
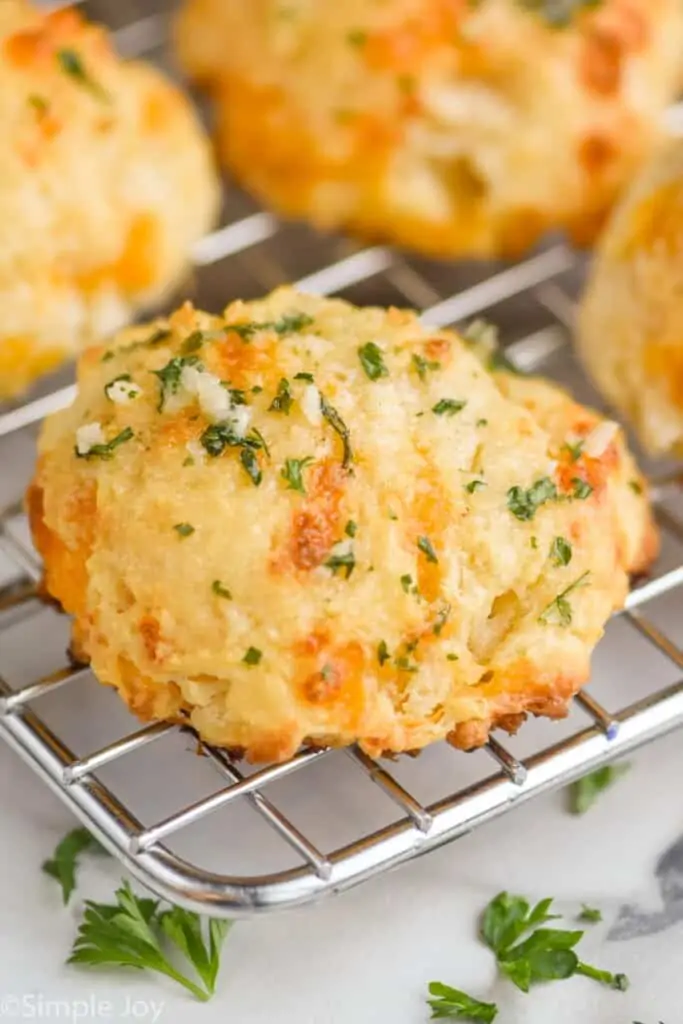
{"points": [[543, 287]]}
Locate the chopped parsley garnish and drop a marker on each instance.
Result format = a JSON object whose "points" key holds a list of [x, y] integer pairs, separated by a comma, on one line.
{"points": [[382, 652], [560, 609], [422, 366], [308, 377], [408, 585], [482, 423], [160, 335], [590, 914], [184, 529], [170, 376], [574, 449], [404, 664], [351, 528], [524, 504], [72, 64], [123, 378], [534, 543], [547, 954], [257, 389], [192, 343], [341, 560], [452, 657], [561, 551], [251, 466], [441, 619], [636, 486], [340, 428], [357, 37], [585, 791], [372, 361], [448, 406], [220, 590], [425, 546], [582, 489], [106, 450], [252, 656], [289, 323], [237, 396], [292, 473], [474, 485], [447, 1002], [39, 104], [283, 399], [219, 436]]}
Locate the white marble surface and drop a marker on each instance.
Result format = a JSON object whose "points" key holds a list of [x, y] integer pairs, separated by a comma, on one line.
{"points": [[365, 957]]}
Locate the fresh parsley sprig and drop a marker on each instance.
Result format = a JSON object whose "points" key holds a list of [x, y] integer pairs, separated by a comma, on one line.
{"points": [[547, 954], [451, 1003], [64, 861], [133, 932], [585, 791]]}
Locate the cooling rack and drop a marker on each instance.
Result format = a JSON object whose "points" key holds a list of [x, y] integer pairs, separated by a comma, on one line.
{"points": [[386, 820]]}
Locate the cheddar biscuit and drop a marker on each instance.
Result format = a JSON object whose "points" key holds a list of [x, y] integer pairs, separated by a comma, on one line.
{"points": [[105, 182], [304, 522], [450, 127]]}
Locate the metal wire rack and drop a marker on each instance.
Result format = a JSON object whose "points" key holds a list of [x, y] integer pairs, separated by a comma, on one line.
{"points": [[254, 247]]}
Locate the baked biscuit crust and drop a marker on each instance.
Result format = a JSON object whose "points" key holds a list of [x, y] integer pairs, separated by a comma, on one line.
{"points": [[307, 522], [441, 125], [106, 180], [630, 334]]}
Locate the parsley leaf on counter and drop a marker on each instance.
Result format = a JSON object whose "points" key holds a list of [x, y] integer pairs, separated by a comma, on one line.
{"points": [[372, 361], [547, 954], [585, 791], [64, 861], [590, 914], [134, 933], [451, 1003]]}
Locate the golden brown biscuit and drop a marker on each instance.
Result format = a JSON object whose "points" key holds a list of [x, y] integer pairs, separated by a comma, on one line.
{"points": [[105, 182], [304, 521], [448, 126], [630, 333]]}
